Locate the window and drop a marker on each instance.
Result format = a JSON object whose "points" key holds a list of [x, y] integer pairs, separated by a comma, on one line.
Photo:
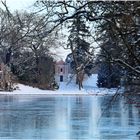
{"points": [[61, 69], [61, 78]]}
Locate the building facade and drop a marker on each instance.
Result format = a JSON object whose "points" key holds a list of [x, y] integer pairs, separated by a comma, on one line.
{"points": [[62, 71]]}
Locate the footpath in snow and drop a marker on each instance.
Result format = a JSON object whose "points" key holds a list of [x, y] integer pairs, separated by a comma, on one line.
{"points": [[90, 88]]}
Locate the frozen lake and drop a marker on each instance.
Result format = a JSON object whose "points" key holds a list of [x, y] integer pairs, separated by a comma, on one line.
{"points": [[67, 118]]}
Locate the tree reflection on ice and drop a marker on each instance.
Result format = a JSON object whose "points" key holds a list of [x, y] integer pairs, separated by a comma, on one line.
{"points": [[62, 117]]}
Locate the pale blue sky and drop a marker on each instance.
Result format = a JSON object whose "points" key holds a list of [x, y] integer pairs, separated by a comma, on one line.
{"points": [[19, 4]]}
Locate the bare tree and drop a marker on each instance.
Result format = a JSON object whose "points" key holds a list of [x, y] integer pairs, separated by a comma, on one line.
{"points": [[25, 44], [116, 20]]}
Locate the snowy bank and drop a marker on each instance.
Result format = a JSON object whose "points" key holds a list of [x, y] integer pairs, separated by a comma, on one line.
{"points": [[90, 88]]}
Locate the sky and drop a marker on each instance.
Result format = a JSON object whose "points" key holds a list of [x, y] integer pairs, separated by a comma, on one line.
{"points": [[19, 4]]}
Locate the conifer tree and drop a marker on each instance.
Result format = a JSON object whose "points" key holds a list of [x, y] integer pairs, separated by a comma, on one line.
{"points": [[77, 42]]}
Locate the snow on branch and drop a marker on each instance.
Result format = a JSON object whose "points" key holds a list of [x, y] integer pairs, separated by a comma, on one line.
{"points": [[126, 64]]}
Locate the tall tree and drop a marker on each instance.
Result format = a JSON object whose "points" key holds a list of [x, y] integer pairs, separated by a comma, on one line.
{"points": [[121, 26], [77, 42], [115, 20], [109, 73], [120, 19], [25, 47]]}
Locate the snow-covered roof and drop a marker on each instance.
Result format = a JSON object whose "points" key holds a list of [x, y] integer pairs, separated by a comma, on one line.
{"points": [[61, 62]]}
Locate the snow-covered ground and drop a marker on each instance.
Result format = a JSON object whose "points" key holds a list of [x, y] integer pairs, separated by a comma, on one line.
{"points": [[90, 88]]}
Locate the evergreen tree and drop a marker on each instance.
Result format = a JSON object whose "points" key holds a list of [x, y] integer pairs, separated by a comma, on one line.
{"points": [[122, 29], [79, 46], [109, 73]]}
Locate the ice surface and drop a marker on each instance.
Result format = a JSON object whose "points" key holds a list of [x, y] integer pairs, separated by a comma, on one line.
{"points": [[67, 118]]}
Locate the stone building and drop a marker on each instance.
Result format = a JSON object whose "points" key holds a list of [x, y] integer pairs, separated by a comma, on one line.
{"points": [[62, 71]]}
